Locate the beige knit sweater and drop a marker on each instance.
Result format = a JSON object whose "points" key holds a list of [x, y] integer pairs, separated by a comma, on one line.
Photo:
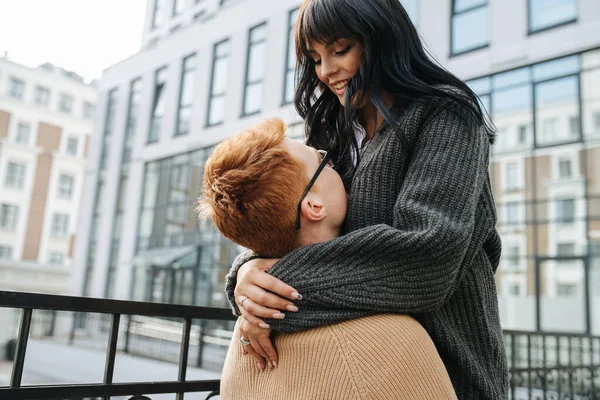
{"points": [[378, 357]]}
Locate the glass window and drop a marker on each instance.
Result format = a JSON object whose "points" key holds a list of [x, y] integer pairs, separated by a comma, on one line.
{"points": [[56, 258], [218, 85], [545, 14], [42, 96], [556, 68], [565, 211], [289, 85], [132, 116], [5, 252], [553, 99], [178, 7], [158, 18], [255, 69], [88, 110], [66, 104], [9, 214], [158, 104], [186, 95], [60, 225], [15, 175], [522, 134], [470, 26], [72, 144], [597, 122], [574, 126], [65, 186], [512, 107], [16, 88], [512, 176], [512, 213], [564, 168], [23, 132], [512, 255], [565, 249]]}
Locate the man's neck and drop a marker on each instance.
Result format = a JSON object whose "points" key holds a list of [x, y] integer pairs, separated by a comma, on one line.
{"points": [[316, 234]]}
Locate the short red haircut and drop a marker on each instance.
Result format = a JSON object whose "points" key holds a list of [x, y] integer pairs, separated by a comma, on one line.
{"points": [[252, 186]]}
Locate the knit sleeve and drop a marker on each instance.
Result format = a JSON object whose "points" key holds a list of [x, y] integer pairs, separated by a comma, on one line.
{"points": [[414, 265]]}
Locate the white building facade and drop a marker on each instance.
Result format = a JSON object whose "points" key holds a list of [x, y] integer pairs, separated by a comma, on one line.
{"points": [[209, 69], [46, 118]]}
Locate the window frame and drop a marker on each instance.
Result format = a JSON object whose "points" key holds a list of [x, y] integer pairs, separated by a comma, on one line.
{"points": [[4, 208], [21, 84], [154, 103], [185, 75], [17, 179], [211, 95], [531, 31], [287, 69], [454, 14], [247, 83]]}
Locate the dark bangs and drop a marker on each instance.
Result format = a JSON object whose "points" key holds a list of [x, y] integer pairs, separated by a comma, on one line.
{"points": [[322, 22]]}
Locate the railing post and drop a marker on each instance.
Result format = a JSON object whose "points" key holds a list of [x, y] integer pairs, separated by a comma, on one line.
{"points": [[111, 351], [183, 353], [127, 334], [200, 345], [17, 372]]}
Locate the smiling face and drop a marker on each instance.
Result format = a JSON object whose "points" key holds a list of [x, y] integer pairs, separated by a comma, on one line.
{"points": [[336, 64]]}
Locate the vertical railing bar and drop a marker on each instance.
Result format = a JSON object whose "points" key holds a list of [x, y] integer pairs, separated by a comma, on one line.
{"points": [[183, 354], [558, 365], [111, 351], [544, 373], [513, 360], [19, 360], [529, 387], [570, 362]]}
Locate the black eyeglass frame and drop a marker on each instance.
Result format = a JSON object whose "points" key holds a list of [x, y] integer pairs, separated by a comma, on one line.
{"points": [[312, 181]]}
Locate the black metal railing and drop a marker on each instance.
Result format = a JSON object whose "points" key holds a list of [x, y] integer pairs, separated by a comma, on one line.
{"points": [[548, 365], [28, 302], [543, 365]]}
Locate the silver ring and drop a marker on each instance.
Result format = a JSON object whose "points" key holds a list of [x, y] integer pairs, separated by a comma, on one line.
{"points": [[241, 303], [244, 342]]}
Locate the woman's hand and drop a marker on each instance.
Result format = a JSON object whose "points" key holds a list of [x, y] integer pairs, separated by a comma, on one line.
{"points": [[259, 294], [260, 347]]}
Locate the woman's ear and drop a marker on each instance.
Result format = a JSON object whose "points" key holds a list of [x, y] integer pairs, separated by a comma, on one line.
{"points": [[313, 209]]}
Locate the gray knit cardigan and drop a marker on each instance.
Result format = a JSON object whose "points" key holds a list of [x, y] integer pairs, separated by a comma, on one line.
{"points": [[419, 239]]}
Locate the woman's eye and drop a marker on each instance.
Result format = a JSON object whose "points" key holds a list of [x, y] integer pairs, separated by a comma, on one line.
{"points": [[343, 51]]}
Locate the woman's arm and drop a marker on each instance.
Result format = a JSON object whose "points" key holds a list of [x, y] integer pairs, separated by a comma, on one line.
{"points": [[413, 266]]}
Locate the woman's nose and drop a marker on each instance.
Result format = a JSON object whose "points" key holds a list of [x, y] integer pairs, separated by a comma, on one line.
{"points": [[327, 68]]}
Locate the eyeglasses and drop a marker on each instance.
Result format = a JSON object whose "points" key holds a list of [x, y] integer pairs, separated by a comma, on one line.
{"points": [[324, 161]]}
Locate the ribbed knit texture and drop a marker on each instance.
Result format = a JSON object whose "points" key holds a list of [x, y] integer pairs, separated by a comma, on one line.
{"points": [[386, 357], [419, 239]]}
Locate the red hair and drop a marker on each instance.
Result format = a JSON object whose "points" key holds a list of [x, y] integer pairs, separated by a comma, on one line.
{"points": [[251, 189]]}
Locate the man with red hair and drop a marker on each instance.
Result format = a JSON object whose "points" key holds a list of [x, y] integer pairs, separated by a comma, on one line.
{"points": [[260, 179]]}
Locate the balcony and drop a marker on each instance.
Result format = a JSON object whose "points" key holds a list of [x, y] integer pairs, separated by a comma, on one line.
{"points": [[542, 365]]}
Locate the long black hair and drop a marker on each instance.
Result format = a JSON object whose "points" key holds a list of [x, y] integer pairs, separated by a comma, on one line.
{"points": [[393, 59]]}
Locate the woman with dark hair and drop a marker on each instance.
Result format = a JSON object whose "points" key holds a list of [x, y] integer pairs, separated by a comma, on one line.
{"points": [[412, 146]]}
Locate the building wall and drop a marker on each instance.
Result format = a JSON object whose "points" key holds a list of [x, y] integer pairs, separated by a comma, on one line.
{"points": [[510, 47], [44, 156]]}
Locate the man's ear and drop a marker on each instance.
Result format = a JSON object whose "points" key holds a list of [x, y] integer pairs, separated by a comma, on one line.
{"points": [[313, 209]]}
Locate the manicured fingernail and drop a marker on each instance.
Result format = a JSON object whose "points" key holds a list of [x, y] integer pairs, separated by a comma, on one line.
{"points": [[275, 364], [263, 325], [271, 366], [279, 315], [297, 296], [292, 308], [260, 366]]}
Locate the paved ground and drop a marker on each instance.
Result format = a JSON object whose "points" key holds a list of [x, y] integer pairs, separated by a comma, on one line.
{"points": [[48, 362]]}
